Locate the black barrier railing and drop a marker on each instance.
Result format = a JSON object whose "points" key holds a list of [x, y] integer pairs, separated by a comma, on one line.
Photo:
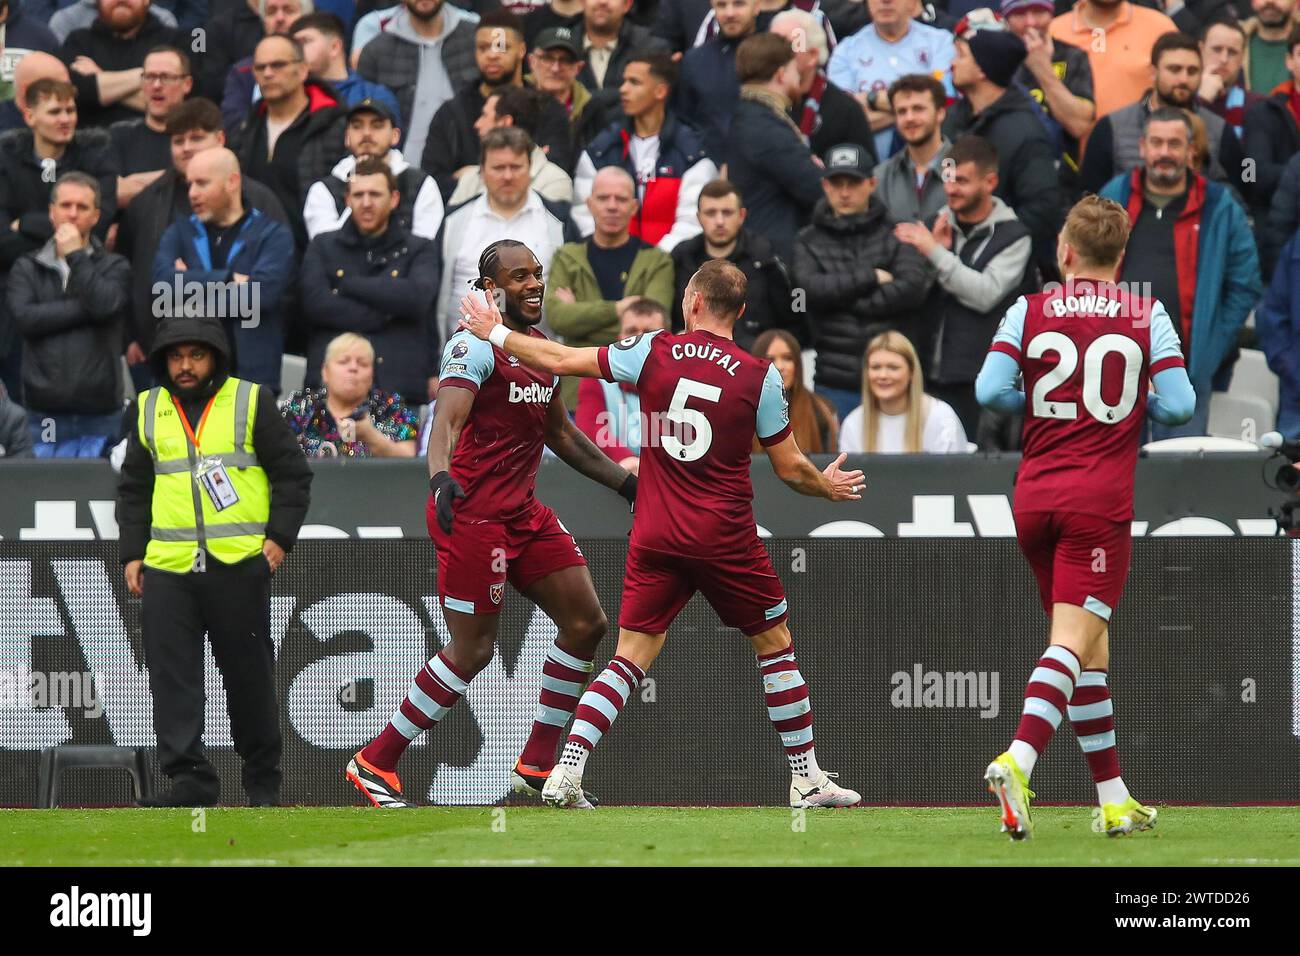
{"points": [[916, 652]]}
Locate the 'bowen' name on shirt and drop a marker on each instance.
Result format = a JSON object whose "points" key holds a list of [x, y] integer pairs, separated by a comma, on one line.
{"points": [[531, 393], [706, 353]]}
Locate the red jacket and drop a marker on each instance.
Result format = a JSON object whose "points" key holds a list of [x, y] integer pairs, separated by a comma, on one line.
{"points": [[1187, 237]]}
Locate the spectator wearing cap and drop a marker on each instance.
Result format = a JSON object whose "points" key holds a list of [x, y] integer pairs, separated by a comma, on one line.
{"points": [[373, 132], [858, 278], [981, 255], [321, 36], [609, 39], [1118, 37], [518, 106], [424, 54], [452, 143], [192, 127], [827, 115], [591, 283], [1059, 78], [910, 183], [1176, 75], [768, 300], [293, 136], [562, 14], [554, 63], [141, 146], [374, 278], [70, 301], [238, 84], [1223, 50], [995, 108], [665, 156], [892, 45], [708, 89], [768, 157], [106, 59]]}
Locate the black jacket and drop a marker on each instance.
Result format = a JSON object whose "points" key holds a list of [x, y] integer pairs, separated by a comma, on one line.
{"points": [[1270, 137], [632, 40], [840, 120], [1283, 219], [274, 443], [25, 197], [1027, 178], [110, 54], [767, 298], [72, 337], [835, 263], [232, 34], [707, 92], [147, 218], [775, 172], [453, 142], [385, 288]]}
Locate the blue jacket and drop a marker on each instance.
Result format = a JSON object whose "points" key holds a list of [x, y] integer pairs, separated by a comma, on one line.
{"points": [[708, 90], [263, 251], [241, 90], [1277, 320], [1226, 271]]}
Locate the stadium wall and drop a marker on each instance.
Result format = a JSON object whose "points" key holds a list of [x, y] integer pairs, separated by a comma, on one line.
{"points": [[916, 650]]}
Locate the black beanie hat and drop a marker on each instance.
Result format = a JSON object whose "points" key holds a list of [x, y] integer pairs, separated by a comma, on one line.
{"points": [[999, 54]]}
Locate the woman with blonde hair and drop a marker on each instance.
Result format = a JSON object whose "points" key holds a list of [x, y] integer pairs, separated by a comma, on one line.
{"points": [[816, 429], [896, 416], [347, 416]]}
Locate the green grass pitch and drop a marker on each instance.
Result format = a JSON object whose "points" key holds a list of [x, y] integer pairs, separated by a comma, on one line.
{"points": [[637, 836]]}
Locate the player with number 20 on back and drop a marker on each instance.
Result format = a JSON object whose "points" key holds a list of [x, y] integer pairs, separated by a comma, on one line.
{"points": [[1097, 361], [703, 400]]}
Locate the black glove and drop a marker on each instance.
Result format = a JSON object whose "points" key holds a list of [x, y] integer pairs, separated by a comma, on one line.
{"points": [[628, 490], [446, 490]]}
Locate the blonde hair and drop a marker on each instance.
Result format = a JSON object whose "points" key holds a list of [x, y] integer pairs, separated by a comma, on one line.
{"points": [[808, 33], [346, 342], [917, 406], [1098, 230]]}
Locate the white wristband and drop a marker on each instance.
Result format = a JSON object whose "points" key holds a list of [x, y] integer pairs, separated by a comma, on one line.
{"points": [[498, 336]]}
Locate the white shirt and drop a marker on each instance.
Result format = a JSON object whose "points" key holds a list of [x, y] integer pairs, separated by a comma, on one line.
{"points": [[941, 434], [529, 226]]}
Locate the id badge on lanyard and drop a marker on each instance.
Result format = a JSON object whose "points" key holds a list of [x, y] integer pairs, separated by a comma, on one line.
{"points": [[211, 475]]}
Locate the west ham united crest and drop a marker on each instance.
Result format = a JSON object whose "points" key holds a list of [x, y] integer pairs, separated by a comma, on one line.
{"points": [[496, 592]]}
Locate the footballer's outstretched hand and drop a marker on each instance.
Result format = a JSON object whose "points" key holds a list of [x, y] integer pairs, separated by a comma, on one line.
{"points": [[478, 316], [845, 485]]}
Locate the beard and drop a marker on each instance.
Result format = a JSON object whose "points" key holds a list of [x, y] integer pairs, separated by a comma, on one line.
{"points": [[420, 15], [515, 313], [1179, 97], [1167, 176], [1272, 16]]}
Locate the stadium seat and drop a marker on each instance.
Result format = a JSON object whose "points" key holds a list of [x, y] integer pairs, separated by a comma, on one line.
{"points": [[1202, 443], [1239, 416], [1252, 378], [293, 372], [55, 760]]}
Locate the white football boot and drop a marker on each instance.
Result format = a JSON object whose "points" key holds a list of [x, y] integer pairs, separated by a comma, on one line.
{"points": [[563, 789], [809, 793]]}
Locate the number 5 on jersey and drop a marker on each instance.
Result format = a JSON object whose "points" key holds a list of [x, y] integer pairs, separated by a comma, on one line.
{"points": [[679, 417]]}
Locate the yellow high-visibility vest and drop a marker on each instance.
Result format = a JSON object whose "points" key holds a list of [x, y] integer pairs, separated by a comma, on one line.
{"points": [[184, 522]]}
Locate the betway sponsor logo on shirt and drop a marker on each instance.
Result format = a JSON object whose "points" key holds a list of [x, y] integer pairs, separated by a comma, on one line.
{"points": [[531, 393]]}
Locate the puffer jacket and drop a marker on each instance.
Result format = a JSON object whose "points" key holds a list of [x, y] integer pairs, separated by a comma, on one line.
{"points": [[835, 263], [72, 337]]}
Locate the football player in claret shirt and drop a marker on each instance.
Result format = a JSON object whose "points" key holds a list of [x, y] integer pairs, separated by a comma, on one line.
{"points": [[492, 419], [703, 400], [1097, 361]]}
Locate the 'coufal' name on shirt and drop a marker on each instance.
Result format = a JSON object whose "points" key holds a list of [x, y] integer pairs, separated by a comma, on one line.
{"points": [[706, 353], [1076, 304]]}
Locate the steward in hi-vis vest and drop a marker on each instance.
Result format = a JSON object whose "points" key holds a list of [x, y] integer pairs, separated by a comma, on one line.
{"points": [[213, 491]]}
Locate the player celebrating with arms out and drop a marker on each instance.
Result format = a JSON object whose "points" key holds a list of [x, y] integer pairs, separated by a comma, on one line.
{"points": [[703, 400], [492, 419], [1090, 353]]}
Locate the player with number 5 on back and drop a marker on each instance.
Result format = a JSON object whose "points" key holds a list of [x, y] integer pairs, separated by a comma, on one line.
{"points": [[1097, 361], [703, 400]]}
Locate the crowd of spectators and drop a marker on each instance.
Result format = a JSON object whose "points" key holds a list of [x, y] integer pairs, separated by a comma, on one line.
{"points": [[889, 174]]}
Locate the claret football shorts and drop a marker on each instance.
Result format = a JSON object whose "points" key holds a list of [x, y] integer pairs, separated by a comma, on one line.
{"points": [[1077, 558]]}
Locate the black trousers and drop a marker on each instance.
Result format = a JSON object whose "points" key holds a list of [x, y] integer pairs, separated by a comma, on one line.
{"points": [[231, 604]]}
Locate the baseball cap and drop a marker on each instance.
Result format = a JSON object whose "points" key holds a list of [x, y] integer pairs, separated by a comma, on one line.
{"points": [[1011, 6], [372, 105], [558, 38], [848, 159]]}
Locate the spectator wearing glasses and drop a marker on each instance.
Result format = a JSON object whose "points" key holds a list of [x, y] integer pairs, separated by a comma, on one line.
{"points": [[294, 135], [237, 86], [142, 147], [555, 62]]}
